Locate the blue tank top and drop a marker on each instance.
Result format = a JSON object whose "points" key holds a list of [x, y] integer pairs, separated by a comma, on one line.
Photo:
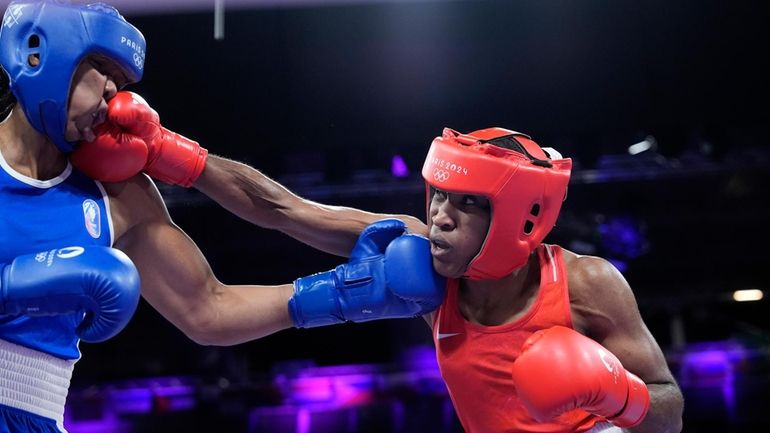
{"points": [[70, 209]]}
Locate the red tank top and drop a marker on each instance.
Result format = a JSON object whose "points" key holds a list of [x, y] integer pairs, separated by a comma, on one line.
{"points": [[475, 360]]}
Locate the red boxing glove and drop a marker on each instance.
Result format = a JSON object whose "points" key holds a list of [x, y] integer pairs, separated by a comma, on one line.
{"points": [[113, 156], [171, 158], [560, 370]]}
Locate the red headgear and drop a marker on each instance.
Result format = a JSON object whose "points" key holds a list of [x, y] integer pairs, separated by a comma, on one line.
{"points": [[524, 185]]}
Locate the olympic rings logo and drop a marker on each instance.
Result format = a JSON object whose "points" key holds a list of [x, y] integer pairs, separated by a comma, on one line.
{"points": [[440, 175], [138, 60]]}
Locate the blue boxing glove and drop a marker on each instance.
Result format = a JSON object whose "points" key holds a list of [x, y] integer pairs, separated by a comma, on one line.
{"points": [[390, 275], [100, 281]]}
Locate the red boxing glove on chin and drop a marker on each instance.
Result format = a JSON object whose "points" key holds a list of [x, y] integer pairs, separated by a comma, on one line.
{"points": [[170, 157], [113, 156], [560, 370]]}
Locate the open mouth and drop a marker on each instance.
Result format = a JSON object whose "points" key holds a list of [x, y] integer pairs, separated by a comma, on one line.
{"points": [[439, 247]]}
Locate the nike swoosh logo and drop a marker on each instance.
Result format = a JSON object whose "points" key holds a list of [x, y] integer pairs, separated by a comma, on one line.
{"points": [[609, 365], [439, 335]]}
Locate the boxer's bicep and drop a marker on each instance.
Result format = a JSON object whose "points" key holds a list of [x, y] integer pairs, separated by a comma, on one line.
{"points": [[175, 276], [613, 319]]}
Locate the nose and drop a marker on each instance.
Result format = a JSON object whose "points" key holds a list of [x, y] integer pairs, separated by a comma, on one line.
{"points": [[110, 90], [441, 215]]}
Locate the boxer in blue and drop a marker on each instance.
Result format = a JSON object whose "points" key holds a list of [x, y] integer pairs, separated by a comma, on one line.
{"points": [[72, 248]]}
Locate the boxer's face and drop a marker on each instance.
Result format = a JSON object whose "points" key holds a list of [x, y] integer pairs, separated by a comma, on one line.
{"points": [[95, 82], [458, 226]]}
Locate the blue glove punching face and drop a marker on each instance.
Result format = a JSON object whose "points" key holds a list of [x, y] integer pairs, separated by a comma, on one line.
{"points": [[389, 275]]}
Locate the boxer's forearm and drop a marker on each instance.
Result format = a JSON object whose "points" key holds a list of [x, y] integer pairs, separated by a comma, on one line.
{"points": [[245, 191], [238, 314], [665, 413], [249, 194], [176, 278], [178, 282]]}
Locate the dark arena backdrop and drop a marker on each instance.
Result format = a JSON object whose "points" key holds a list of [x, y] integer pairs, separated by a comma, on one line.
{"points": [[662, 105]]}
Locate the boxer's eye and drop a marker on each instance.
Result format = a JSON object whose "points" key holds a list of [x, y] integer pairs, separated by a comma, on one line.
{"points": [[438, 194], [470, 200], [475, 201], [104, 68]]}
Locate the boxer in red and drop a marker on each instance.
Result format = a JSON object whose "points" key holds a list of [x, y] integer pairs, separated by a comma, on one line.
{"points": [[530, 337]]}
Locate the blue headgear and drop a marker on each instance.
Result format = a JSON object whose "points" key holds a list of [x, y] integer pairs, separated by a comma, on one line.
{"points": [[61, 34]]}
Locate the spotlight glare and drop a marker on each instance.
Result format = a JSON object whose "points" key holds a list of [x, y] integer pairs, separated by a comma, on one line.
{"points": [[639, 147], [649, 143], [747, 295]]}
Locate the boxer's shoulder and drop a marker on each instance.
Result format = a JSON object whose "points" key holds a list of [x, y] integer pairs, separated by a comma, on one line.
{"points": [[134, 201], [597, 291], [589, 272]]}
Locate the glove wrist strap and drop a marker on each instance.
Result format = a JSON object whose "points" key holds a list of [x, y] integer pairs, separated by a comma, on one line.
{"points": [[637, 404], [179, 162], [315, 301]]}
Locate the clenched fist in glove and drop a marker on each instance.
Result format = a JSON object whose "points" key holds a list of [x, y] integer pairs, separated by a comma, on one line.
{"points": [[99, 281], [560, 370], [390, 275], [132, 140]]}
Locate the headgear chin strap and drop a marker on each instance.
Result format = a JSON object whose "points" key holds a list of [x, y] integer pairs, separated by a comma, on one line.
{"points": [[525, 188], [43, 42]]}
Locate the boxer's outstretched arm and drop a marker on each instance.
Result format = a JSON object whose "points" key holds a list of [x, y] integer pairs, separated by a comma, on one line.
{"points": [[133, 140], [178, 281], [604, 307], [251, 195]]}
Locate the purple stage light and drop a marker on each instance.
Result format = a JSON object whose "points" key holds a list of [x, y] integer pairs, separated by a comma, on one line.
{"points": [[100, 410], [153, 395], [110, 425], [304, 419], [420, 359], [423, 374], [398, 167], [623, 236], [621, 265], [713, 365], [338, 386]]}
